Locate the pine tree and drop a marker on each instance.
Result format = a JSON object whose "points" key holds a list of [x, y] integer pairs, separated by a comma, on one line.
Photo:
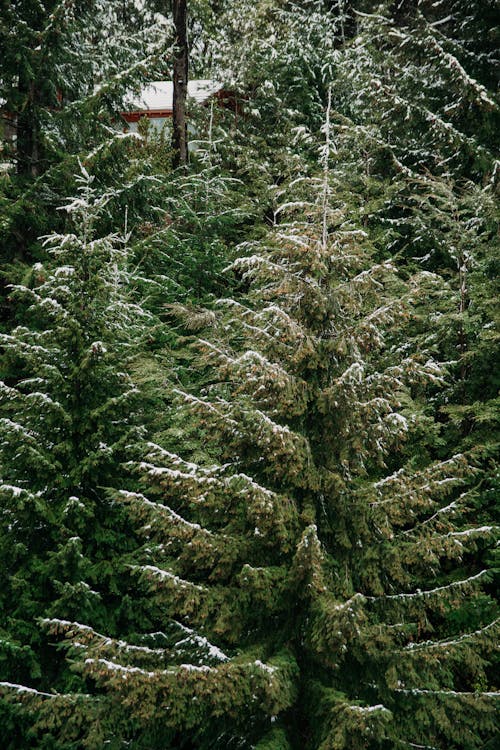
{"points": [[274, 63], [417, 116], [69, 414], [188, 221], [294, 574], [63, 81], [317, 519]]}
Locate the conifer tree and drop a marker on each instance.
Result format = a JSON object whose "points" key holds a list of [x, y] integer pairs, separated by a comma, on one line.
{"points": [[69, 413], [63, 81], [294, 575], [274, 57], [316, 544], [190, 220], [417, 119]]}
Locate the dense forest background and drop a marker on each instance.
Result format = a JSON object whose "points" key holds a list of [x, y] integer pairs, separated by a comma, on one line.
{"points": [[249, 405]]}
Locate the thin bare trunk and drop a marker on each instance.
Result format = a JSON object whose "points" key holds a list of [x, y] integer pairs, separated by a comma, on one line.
{"points": [[462, 336], [180, 80], [326, 151], [27, 132]]}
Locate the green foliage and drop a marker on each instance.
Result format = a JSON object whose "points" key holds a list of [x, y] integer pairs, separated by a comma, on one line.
{"points": [[302, 555], [69, 413], [63, 82], [184, 240], [300, 570]]}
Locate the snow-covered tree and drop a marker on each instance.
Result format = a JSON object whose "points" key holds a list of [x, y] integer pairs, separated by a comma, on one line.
{"points": [[416, 116], [69, 414], [295, 576], [187, 223], [66, 68], [413, 76], [316, 507]]}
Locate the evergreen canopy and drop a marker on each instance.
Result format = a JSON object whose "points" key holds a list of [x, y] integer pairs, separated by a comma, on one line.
{"points": [[249, 443]]}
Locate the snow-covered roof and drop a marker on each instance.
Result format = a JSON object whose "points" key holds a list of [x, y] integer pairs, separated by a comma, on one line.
{"points": [[159, 95]]}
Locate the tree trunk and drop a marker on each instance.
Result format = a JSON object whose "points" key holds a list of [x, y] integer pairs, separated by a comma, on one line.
{"points": [[180, 80], [27, 136]]}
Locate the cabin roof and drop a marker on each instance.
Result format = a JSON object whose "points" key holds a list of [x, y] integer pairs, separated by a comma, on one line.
{"points": [[158, 95]]}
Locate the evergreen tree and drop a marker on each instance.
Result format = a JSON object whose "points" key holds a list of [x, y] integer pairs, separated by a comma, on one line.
{"points": [[63, 81], [274, 58], [294, 575], [417, 119], [69, 414], [186, 223], [317, 505]]}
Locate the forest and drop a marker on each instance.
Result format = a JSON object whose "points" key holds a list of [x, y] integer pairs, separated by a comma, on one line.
{"points": [[249, 372]]}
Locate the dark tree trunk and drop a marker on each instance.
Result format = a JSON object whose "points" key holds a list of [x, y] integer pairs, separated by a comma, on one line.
{"points": [[180, 79], [27, 135]]}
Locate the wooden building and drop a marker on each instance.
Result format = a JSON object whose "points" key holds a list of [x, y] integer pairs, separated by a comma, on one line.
{"points": [[155, 101]]}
